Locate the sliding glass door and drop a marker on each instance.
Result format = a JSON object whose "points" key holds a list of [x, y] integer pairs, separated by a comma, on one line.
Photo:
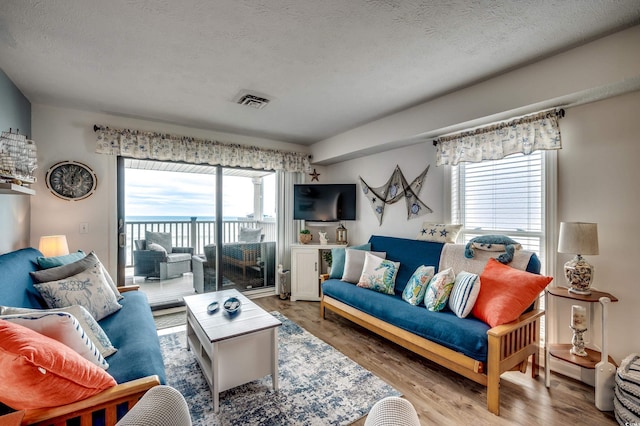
{"points": [[177, 216]]}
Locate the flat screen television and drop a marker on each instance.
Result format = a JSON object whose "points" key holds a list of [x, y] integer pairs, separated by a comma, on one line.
{"points": [[324, 202]]}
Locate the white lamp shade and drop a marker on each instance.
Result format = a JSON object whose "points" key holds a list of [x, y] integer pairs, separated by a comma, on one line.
{"points": [[53, 245], [578, 238]]}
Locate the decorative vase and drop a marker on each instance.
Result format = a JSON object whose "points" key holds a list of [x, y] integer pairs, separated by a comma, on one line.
{"points": [[579, 274], [305, 238]]}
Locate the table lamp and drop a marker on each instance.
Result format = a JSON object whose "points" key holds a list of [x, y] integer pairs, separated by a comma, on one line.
{"points": [[53, 245], [578, 238]]}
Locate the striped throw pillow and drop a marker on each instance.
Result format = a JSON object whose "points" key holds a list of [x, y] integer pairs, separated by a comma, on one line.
{"points": [[464, 293]]}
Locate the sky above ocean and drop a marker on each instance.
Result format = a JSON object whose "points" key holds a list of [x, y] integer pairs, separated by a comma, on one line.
{"points": [[185, 195]]}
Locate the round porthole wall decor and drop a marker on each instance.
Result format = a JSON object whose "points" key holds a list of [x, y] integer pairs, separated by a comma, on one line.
{"points": [[71, 180]]}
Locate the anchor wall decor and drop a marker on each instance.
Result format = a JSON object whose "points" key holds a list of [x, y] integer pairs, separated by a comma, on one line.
{"points": [[392, 191]]}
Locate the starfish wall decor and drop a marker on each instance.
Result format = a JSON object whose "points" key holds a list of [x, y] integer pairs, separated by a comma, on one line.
{"points": [[392, 191], [314, 175]]}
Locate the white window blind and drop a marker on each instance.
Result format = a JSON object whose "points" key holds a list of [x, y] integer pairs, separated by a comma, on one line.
{"points": [[502, 197]]}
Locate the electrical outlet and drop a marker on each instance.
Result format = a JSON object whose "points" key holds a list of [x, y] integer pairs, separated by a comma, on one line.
{"points": [[84, 227]]}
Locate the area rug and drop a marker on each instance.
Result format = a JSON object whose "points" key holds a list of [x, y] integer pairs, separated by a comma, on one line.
{"points": [[170, 320], [318, 385]]}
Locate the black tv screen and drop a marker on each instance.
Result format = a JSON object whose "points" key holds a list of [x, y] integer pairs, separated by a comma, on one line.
{"points": [[324, 202]]}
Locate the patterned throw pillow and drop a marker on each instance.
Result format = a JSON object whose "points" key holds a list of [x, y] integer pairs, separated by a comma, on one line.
{"points": [[437, 295], [464, 293], [88, 288], [378, 274], [69, 269], [37, 371], [439, 233], [417, 286], [63, 327], [88, 323]]}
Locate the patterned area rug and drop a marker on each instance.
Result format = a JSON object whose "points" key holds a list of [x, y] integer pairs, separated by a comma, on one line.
{"points": [[318, 385], [170, 320]]}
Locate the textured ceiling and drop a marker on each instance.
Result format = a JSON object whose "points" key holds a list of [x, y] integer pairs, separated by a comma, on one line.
{"points": [[327, 66]]}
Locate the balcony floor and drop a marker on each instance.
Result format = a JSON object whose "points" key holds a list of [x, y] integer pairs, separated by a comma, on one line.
{"points": [[167, 293], [163, 292]]}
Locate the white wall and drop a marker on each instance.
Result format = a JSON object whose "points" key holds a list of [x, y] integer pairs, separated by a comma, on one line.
{"points": [[598, 178], [376, 170], [67, 134]]}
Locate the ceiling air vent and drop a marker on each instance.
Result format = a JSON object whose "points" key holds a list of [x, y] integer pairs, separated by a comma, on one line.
{"points": [[252, 101]]}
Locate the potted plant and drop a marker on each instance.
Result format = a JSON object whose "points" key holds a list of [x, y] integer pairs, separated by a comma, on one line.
{"points": [[305, 236], [326, 255]]}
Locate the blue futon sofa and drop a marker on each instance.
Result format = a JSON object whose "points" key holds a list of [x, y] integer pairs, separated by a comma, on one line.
{"points": [[467, 346], [136, 366]]}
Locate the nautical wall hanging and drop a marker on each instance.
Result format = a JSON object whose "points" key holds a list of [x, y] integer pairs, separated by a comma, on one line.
{"points": [[392, 191]]}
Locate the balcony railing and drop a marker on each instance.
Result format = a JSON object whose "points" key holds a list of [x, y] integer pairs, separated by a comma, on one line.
{"points": [[194, 233]]}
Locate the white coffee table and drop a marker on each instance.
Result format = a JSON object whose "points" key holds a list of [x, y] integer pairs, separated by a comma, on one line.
{"points": [[232, 349]]}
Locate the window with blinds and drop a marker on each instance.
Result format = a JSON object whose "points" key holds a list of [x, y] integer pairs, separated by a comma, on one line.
{"points": [[502, 197]]}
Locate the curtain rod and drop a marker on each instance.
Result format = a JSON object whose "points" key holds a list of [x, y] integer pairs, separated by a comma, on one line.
{"points": [[559, 113]]}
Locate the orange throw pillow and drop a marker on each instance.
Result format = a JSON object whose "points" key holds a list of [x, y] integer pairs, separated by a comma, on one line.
{"points": [[37, 371], [506, 292]]}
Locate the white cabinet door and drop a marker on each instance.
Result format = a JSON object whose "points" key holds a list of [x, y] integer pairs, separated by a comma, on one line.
{"points": [[305, 274]]}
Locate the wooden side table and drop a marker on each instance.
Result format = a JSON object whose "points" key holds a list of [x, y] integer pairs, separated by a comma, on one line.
{"points": [[562, 350]]}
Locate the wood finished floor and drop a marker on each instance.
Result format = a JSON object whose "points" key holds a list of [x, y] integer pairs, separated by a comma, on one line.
{"points": [[442, 397]]}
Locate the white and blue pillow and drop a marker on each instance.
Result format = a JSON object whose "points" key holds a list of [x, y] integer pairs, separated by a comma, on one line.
{"points": [[63, 327], [88, 288], [354, 263], [416, 287], [464, 293], [87, 322]]}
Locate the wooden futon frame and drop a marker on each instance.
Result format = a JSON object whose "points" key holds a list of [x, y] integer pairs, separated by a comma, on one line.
{"points": [[510, 346]]}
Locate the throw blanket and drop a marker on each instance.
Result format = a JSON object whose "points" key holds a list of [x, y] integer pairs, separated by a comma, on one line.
{"points": [[453, 257]]}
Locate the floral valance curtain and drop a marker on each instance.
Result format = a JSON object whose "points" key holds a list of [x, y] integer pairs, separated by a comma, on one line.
{"points": [[522, 135], [165, 147]]}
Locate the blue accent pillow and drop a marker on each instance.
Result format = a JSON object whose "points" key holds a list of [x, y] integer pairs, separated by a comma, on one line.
{"points": [[338, 257], [52, 262]]}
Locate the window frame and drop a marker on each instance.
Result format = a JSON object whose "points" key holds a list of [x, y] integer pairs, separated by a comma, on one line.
{"points": [[549, 209]]}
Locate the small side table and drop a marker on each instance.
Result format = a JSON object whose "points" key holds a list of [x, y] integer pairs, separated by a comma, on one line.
{"points": [[561, 350]]}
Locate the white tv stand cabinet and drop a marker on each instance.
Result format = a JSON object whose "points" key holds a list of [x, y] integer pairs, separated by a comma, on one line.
{"points": [[306, 264]]}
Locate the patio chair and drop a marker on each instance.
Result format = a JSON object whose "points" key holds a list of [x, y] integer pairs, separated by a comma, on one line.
{"points": [[236, 257], [155, 257]]}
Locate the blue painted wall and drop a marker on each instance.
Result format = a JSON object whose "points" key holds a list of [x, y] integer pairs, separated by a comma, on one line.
{"points": [[15, 108], [15, 210]]}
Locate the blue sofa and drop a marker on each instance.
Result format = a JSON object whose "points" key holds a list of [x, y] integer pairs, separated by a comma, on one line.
{"points": [[467, 346], [138, 363]]}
